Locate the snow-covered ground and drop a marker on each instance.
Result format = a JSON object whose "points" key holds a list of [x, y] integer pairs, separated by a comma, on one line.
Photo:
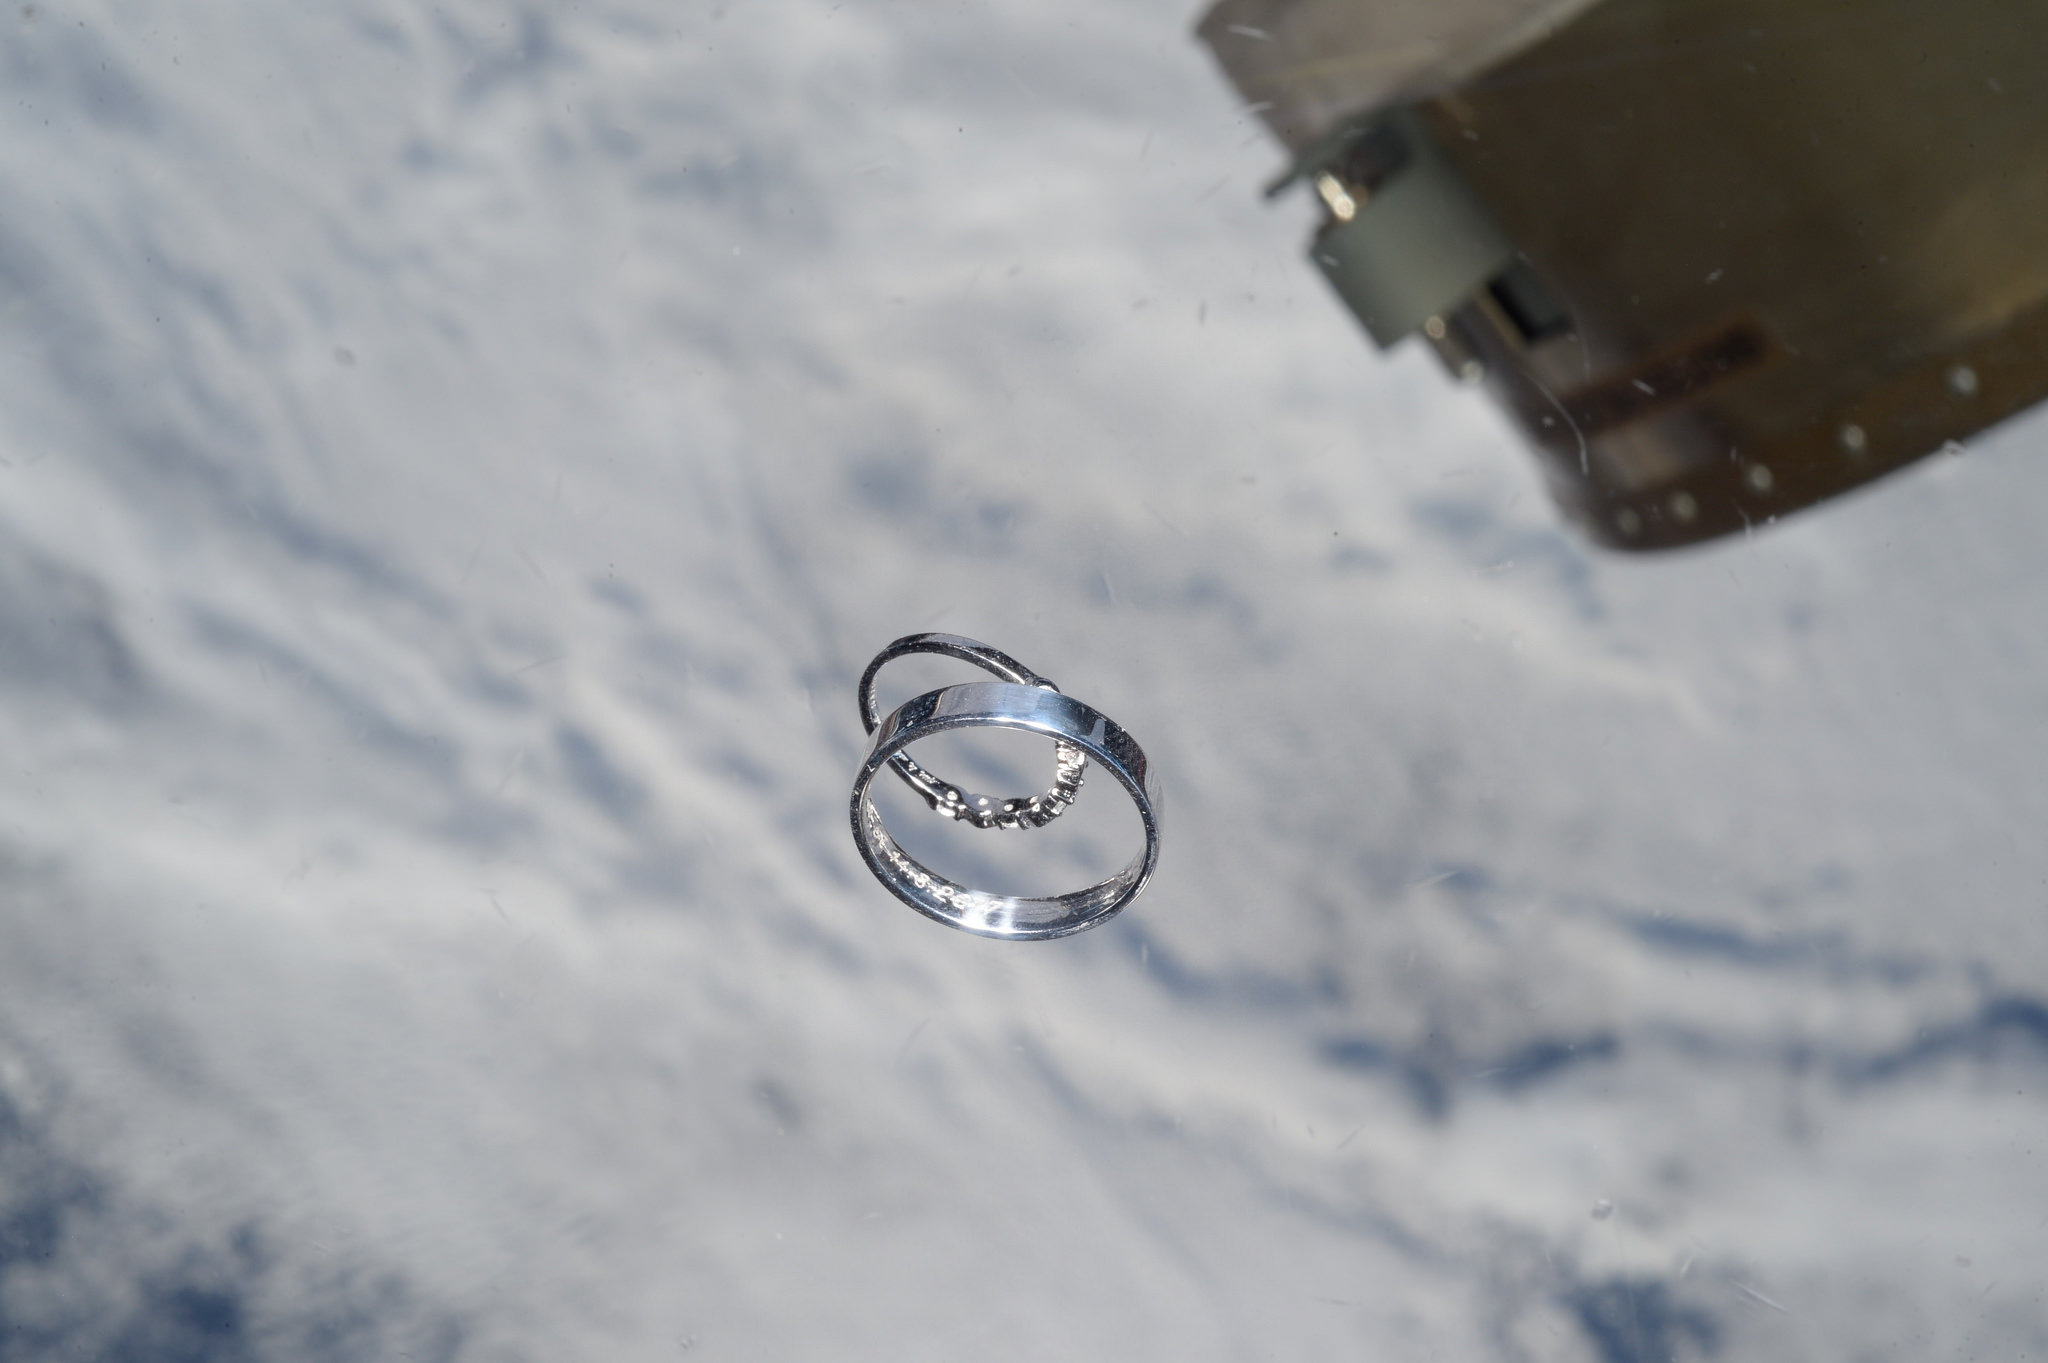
{"points": [[454, 464]]}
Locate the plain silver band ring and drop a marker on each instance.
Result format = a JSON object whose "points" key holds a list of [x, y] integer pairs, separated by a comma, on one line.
{"points": [[1006, 705], [981, 811]]}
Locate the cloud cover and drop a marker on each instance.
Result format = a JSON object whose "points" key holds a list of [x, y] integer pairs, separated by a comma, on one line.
{"points": [[457, 462]]}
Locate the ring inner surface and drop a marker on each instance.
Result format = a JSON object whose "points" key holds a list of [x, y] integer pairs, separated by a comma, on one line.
{"points": [[982, 911]]}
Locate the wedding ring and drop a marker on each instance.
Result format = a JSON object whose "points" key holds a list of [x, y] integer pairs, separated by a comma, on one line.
{"points": [[982, 811], [1033, 709]]}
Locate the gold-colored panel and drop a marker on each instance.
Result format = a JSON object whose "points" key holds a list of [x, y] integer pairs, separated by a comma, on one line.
{"points": [[1798, 242]]}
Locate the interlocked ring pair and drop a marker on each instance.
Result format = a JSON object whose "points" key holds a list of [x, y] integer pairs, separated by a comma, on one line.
{"points": [[1022, 700]]}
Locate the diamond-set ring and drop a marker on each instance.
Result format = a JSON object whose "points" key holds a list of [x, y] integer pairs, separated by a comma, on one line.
{"points": [[1025, 701]]}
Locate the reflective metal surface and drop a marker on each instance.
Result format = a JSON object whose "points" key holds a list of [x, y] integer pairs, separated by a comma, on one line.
{"points": [[1070, 766], [1033, 709]]}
